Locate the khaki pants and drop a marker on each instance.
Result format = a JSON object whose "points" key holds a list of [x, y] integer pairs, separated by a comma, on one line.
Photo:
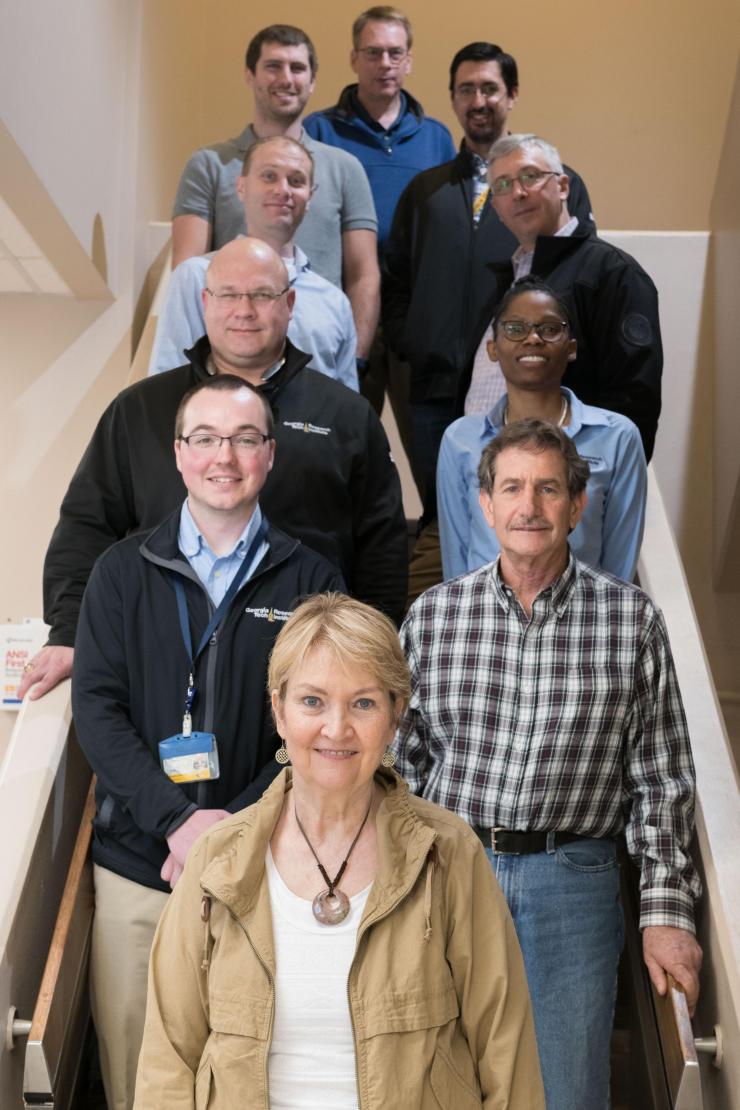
{"points": [[126, 915], [425, 567]]}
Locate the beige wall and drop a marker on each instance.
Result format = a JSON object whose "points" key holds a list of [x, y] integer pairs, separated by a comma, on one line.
{"points": [[635, 94], [725, 223]]}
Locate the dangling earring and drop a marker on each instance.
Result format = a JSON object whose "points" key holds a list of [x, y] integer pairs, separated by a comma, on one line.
{"points": [[281, 755], [388, 759]]}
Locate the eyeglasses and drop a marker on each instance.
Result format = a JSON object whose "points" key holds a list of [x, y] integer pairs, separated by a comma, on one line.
{"points": [[259, 297], [376, 54], [529, 180], [245, 443], [518, 330], [488, 91]]}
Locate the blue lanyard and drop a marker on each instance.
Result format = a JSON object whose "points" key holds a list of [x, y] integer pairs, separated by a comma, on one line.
{"points": [[217, 617]]}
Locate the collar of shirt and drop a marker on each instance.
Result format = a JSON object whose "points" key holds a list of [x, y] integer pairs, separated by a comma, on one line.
{"points": [[249, 137], [480, 166], [296, 265], [191, 542], [556, 595], [373, 123], [211, 368], [493, 421], [521, 260]]}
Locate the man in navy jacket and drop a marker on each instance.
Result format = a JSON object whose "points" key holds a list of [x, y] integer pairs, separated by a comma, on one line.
{"points": [[217, 574], [334, 485]]}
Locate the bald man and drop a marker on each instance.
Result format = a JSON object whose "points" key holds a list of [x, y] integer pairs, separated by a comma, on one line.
{"points": [[334, 484]]}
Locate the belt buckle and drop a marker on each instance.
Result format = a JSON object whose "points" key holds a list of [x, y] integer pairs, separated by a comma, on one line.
{"points": [[494, 830]]}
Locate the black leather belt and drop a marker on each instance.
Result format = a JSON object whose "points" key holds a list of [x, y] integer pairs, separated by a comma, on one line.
{"points": [[503, 842]]}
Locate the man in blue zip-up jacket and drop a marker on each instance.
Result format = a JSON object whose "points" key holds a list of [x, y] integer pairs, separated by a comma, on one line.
{"points": [[386, 130], [134, 674], [377, 120]]}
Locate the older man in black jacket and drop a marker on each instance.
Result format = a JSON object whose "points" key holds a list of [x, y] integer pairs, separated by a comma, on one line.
{"points": [[334, 485], [613, 302]]}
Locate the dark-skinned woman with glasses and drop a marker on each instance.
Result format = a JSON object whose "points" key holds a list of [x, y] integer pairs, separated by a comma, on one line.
{"points": [[532, 344]]}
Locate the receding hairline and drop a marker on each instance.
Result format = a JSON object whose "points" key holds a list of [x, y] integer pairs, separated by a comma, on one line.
{"points": [[285, 141], [247, 255], [513, 144], [382, 13]]}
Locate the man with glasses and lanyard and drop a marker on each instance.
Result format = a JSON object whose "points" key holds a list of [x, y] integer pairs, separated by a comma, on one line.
{"points": [[334, 485], [174, 637]]}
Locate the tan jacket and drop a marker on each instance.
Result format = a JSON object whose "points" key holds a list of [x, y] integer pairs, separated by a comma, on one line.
{"points": [[438, 996]]}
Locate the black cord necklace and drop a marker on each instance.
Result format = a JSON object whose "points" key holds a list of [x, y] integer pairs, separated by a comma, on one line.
{"points": [[331, 906]]}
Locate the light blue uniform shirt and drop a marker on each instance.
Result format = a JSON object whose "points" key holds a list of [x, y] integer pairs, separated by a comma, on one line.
{"points": [[609, 533], [322, 325], [216, 572]]}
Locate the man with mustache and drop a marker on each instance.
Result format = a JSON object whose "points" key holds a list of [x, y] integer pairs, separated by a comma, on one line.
{"points": [[545, 711]]}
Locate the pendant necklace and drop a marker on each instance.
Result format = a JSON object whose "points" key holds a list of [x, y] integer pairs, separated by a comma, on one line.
{"points": [[331, 906]]}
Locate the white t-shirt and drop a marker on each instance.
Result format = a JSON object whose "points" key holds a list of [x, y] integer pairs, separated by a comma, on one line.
{"points": [[311, 1064]]}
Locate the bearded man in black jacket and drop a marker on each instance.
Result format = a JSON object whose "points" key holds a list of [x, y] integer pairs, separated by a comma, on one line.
{"points": [[334, 484], [436, 278]]}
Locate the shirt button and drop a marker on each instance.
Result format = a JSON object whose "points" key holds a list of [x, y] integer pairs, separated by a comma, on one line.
{"points": [[526, 687], [217, 574]]}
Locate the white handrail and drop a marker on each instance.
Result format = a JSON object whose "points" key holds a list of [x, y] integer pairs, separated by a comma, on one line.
{"points": [[718, 790]]}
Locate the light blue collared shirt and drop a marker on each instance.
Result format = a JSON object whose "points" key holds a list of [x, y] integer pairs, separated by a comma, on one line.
{"points": [[322, 325], [609, 533], [216, 572]]}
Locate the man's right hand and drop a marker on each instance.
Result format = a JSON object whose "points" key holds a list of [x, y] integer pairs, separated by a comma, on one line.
{"points": [[47, 669]]}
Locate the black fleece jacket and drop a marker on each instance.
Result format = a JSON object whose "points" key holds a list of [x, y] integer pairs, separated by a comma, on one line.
{"points": [[130, 674], [614, 317], [334, 485], [436, 272]]}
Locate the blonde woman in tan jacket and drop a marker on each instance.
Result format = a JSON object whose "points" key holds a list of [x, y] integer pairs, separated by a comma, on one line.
{"points": [[340, 944]]}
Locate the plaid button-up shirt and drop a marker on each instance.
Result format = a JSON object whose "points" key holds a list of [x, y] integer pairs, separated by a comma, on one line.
{"points": [[569, 721]]}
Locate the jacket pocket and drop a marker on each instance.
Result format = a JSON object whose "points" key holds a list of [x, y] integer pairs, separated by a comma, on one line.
{"points": [[448, 1086], [240, 1016], [409, 1012], [203, 1082]]}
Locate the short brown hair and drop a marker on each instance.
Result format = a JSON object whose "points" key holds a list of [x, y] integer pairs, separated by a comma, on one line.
{"points": [[354, 631], [381, 14], [284, 34], [223, 383], [277, 139], [534, 435]]}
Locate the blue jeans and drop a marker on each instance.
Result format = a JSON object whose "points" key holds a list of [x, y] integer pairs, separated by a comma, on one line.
{"points": [[565, 906]]}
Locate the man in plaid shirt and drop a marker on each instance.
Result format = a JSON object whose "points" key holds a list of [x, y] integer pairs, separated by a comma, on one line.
{"points": [[545, 710]]}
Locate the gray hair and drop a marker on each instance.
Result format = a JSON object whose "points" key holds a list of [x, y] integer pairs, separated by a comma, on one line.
{"points": [[511, 143]]}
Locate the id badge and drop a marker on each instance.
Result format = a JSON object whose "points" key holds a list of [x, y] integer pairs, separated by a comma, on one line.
{"points": [[191, 758]]}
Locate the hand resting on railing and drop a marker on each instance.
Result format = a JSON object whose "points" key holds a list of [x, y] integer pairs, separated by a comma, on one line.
{"points": [[47, 669], [671, 951]]}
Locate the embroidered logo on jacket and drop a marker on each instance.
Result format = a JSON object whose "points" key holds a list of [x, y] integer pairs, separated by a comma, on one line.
{"points": [[301, 426], [270, 614]]}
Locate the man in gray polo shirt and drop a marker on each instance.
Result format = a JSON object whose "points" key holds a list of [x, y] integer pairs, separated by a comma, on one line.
{"points": [[339, 233]]}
